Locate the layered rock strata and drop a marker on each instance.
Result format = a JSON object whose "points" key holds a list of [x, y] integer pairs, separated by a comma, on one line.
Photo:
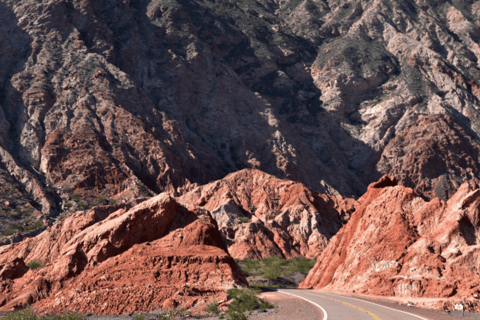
{"points": [[398, 245], [434, 156], [280, 217], [153, 255], [104, 96]]}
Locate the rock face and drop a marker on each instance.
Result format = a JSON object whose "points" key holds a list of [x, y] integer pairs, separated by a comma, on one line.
{"points": [[119, 259], [397, 244], [281, 218], [433, 156], [120, 99]]}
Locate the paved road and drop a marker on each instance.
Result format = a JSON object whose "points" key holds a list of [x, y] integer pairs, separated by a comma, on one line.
{"points": [[337, 307]]}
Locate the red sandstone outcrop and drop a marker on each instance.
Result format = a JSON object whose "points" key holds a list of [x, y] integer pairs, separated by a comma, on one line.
{"points": [[433, 156], [283, 218], [397, 244], [119, 259]]}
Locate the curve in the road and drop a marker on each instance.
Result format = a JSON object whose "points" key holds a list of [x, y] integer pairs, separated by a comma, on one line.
{"points": [[374, 316], [335, 299], [325, 315], [410, 314]]}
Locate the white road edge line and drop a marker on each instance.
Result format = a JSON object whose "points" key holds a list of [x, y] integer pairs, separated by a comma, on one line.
{"points": [[323, 310], [375, 304]]}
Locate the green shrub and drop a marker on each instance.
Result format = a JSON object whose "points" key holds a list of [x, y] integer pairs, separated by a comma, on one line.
{"points": [[250, 266], [76, 197], [113, 201], [245, 300], [171, 314], [235, 315], [61, 217], [17, 226], [30, 314], [68, 205], [303, 265], [51, 189], [82, 206], [140, 317], [34, 265], [101, 200], [28, 210], [7, 233], [256, 284], [212, 309], [27, 314], [34, 226], [273, 267], [242, 220]]}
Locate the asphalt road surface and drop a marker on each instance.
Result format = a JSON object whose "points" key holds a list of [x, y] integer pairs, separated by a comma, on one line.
{"points": [[337, 307]]}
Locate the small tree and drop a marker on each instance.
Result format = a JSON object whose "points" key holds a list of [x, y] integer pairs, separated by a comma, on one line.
{"points": [[34, 265], [212, 308], [140, 317], [242, 220]]}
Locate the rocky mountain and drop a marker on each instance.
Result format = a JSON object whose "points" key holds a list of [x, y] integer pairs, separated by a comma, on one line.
{"points": [[261, 216], [105, 103], [396, 244], [433, 156], [142, 255], [118, 99]]}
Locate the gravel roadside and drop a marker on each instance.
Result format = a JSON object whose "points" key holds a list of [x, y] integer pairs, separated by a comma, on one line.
{"points": [[286, 308]]}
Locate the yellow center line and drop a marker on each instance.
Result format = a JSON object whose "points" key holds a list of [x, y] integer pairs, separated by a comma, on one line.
{"points": [[374, 316]]}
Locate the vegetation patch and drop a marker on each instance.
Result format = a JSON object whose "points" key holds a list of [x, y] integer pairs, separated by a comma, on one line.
{"points": [[172, 314], [244, 300], [242, 220], [31, 314], [34, 265], [7, 233], [34, 226], [276, 271]]}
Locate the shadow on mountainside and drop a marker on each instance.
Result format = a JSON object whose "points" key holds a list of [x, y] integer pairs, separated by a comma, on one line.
{"points": [[21, 201], [191, 55], [15, 48]]}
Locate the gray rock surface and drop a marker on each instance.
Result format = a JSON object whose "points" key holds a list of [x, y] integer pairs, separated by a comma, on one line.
{"points": [[120, 99]]}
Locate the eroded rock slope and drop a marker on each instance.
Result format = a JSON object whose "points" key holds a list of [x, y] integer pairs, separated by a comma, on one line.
{"points": [[280, 217], [397, 244], [125, 98], [139, 256]]}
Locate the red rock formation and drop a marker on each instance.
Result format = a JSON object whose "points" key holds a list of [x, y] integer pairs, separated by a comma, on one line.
{"points": [[397, 244], [285, 218], [434, 156], [120, 259]]}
